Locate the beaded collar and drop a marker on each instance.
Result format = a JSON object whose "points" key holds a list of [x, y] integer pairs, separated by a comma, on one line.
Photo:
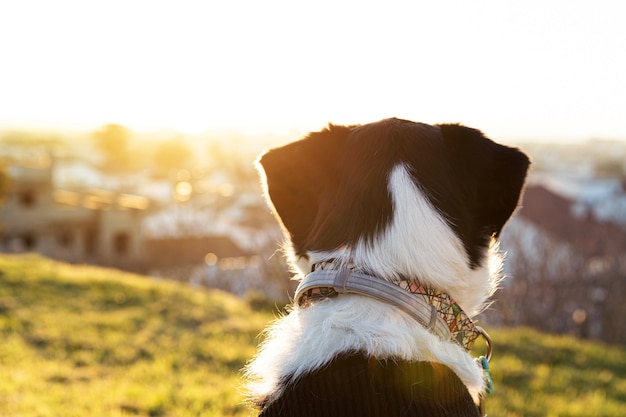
{"points": [[463, 330]]}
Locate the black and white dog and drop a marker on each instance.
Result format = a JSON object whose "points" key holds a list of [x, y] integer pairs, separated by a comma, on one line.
{"points": [[392, 227]]}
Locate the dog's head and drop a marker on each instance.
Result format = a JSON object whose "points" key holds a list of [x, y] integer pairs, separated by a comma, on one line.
{"points": [[412, 200]]}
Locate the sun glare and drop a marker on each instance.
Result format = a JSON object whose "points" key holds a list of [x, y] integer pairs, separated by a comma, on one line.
{"points": [[190, 127], [195, 66]]}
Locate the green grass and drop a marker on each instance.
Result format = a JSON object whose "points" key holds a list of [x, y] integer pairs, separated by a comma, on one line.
{"points": [[85, 341], [544, 375]]}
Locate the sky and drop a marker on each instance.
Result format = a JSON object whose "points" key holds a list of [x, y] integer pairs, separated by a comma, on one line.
{"points": [[518, 70]]}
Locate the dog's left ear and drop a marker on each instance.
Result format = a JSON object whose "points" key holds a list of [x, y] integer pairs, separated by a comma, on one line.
{"points": [[300, 178], [501, 173]]}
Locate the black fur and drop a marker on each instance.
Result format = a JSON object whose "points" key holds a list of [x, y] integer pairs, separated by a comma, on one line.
{"points": [[354, 385]]}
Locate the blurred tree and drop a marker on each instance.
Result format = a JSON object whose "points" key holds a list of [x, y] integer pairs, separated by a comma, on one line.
{"points": [[5, 182], [113, 141], [229, 157], [33, 140], [172, 155]]}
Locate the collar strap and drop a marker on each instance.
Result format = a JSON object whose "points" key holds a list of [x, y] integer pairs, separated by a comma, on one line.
{"points": [[434, 310]]}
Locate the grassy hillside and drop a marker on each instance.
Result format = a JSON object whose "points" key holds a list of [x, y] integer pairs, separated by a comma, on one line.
{"points": [[544, 375], [84, 341], [77, 341]]}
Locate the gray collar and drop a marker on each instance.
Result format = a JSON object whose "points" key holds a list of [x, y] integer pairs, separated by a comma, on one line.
{"points": [[345, 281], [449, 324]]}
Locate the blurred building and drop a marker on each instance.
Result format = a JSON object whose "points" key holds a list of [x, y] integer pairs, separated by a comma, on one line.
{"points": [[74, 225], [215, 239]]}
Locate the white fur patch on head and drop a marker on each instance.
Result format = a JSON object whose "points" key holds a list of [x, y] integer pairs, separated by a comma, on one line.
{"points": [[420, 244]]}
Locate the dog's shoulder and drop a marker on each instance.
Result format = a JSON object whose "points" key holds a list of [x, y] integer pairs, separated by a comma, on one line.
{"points": [[355, 385]]}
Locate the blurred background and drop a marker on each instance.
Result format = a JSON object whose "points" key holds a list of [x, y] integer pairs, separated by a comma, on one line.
{"points": [[128, 131]]}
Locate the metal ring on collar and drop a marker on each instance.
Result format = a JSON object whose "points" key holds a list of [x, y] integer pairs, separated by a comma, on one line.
{"points": [[484, 334]]}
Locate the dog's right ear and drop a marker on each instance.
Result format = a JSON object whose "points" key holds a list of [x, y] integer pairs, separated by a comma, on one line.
{"points": [[301, 177]]}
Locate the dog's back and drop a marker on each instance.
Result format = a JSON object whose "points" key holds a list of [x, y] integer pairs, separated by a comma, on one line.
{"points": [[356, 385]]}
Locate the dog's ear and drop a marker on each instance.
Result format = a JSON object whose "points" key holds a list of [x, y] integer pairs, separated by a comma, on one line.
{"points": [[300, 176], [500, 172]]}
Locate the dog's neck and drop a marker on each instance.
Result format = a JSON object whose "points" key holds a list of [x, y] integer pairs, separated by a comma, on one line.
{"points": [[454, 324], [341, 258]]}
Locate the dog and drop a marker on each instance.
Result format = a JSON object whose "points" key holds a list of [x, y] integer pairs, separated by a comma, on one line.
{"points": [[392, 228]]}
